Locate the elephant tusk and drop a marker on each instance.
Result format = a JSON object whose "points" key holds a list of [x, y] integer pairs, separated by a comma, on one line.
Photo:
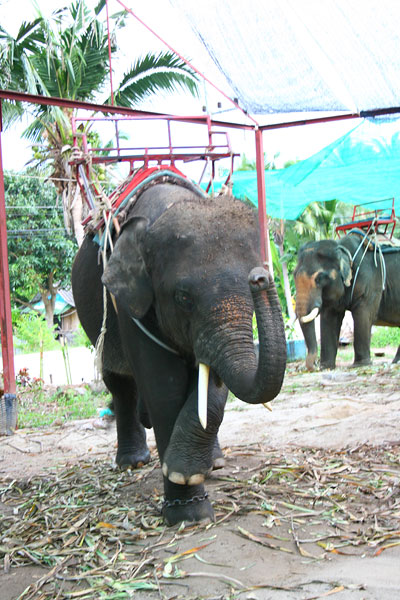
{"points": [[311, 316], [204, 371]]}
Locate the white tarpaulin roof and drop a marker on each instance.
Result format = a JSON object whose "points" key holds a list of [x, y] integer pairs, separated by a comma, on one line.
{"points": [[301, 55]]}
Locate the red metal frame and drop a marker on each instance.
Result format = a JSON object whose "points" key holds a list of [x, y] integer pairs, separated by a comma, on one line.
{"points": [[5, 310], [7, 349], [145, 157], [375, 219]]}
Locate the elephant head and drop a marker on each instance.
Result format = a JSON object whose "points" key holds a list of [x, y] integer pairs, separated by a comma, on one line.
{"points": [[322, 274], [197, 266]]}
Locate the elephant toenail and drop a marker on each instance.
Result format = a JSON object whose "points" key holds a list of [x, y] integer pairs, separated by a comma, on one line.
{"points": [[125, 467], [165, 469], [218, 463], [177, 478], [196, 479]]}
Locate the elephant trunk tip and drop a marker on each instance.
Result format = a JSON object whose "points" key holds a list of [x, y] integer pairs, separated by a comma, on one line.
{"points": [[260, 279]]}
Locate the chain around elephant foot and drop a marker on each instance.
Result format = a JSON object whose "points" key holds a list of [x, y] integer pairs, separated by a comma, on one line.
{"points": [[188, 504]]}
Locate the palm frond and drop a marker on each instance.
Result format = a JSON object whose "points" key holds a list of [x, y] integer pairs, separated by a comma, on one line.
{"points": [[154, 73]]}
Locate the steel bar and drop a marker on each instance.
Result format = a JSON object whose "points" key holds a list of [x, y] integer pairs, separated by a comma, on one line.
{"points": [[262, 209], [7, 349]]}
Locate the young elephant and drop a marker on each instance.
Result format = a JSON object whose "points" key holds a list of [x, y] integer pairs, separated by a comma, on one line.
{"points": [[185, 276], [332, 277]]}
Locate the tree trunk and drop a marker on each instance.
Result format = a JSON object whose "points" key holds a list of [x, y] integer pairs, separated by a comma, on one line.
{"points": [[49, 301]]}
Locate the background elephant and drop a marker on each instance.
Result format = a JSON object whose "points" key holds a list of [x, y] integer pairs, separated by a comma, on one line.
{"points": [[334, 276], [186, 277]]}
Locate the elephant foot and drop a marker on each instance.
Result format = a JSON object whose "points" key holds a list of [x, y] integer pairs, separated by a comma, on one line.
{"points": [[217, 456], [181, 476], [193, 471], [186, 504], [364, 362], [132, 458], [311, 361], [192, 468], [182, 472]]}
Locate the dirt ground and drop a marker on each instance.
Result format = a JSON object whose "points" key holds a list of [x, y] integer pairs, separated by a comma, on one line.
{"points": [[307, 506]]}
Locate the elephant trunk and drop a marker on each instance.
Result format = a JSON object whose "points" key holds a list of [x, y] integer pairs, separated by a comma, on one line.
{"points": [[253, 381], [308, 304], [310, 338]]}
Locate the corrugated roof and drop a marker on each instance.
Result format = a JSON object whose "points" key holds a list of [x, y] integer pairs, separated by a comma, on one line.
{"points": [[67, 296]]}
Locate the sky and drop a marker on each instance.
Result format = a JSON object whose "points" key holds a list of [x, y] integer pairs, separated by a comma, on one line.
{"points": [[295, 143]]}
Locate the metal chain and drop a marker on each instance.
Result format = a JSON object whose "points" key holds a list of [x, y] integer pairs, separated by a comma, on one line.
{"points": [[179, 502]]}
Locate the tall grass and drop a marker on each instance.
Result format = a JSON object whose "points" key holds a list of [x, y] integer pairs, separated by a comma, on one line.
{"points": [[385, 336]]}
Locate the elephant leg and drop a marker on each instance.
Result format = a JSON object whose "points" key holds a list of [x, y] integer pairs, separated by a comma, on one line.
{"points": [[331, 322], [189, 457], [310, 338], [164, 383], [132, 447], [362, 338]]}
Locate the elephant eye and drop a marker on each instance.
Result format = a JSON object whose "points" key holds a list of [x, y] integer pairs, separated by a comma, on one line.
{"points": [[322, 279], [184, 300]]}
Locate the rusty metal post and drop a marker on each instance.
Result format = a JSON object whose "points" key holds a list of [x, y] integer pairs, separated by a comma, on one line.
{"points": [[262, 208], [8, 401]]}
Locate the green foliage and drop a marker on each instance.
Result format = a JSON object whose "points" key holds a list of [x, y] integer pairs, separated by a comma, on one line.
{"points": [[319, 219], [250, 165], [37, 407], [33, 334], [255, 328], [385, 336], [81, 339], [40, 251], [67, 57]]}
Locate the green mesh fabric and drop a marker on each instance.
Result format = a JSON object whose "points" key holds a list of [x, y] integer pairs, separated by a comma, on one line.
{"points": [[361, 167]]}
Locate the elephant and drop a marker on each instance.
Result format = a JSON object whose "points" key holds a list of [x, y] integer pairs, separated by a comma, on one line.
{"points": [[352, 274], [182, 283]]}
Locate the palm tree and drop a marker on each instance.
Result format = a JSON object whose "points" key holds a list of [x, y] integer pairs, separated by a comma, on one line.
{"points": [[319, 219], [67, 57]]}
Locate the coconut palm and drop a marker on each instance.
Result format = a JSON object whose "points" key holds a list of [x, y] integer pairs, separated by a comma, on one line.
{"points": [[67, 57]]}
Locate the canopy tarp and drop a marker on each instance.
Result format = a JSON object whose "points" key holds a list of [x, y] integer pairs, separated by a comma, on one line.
{"points": [[363, 166], [301, 55]]}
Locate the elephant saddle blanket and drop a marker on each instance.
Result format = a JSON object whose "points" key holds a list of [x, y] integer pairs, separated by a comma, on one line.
{"points": [[110, 211]]}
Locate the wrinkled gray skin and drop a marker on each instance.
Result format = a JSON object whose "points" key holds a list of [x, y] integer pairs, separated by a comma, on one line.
{"points": [[189, 269], [325, 277]]}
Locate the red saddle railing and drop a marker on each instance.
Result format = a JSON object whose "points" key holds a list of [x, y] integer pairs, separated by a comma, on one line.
{"points": [[376, 220]]}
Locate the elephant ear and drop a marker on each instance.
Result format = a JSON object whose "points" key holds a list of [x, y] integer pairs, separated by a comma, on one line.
{"points": [[125, 275], [345, 264]]}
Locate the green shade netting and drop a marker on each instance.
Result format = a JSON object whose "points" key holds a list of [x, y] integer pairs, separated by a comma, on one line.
{"points": [[361, 167]]}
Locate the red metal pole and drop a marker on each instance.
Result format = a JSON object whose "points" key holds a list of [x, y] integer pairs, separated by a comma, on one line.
{"points": [[7, 349], [262, 208]]}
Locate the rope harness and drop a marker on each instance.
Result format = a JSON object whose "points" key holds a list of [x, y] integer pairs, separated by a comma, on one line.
{"points": [[370, 242]]}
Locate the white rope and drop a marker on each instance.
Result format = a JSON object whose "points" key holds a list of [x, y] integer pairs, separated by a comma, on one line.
{"points": [[99, 348], [377, 247]]}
